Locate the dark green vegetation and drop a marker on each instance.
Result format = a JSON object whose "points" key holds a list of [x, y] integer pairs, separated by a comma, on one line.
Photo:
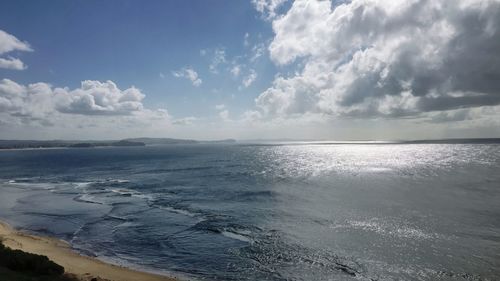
{"points": [[16, 265]]}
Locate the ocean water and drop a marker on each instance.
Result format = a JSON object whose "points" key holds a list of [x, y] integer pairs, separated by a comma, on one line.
{"points": [[304, 211]]}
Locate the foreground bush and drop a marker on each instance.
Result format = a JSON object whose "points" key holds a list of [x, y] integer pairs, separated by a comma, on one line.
{"points": [[16, 265]]}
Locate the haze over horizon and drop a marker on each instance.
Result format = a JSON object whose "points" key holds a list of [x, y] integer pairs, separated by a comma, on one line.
{"points": [[257, 69]]}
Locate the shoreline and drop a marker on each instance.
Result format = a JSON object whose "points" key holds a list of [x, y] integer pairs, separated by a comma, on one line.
{"points": [[83, 267]]}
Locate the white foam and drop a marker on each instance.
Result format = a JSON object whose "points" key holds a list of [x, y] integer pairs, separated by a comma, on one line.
{"points": [[130, 192], [33, 185], [177, 211], [117, 180], [89, 199], [83, 184], [237, 236], [127, 224]]}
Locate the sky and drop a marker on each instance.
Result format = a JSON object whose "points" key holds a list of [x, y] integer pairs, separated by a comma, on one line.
{"points": [[255, 69]]}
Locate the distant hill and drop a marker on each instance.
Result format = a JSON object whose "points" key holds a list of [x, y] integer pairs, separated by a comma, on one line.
{"points": [[219, 141], [21, 144], [116, 143], [18, 144], [164, 141], [156, 141], [25, 144]]}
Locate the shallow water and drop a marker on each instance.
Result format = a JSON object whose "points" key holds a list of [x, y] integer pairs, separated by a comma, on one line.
{"points": [[268, 212]]}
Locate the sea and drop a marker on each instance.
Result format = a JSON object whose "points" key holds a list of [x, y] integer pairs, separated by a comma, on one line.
{"points": [[267, 211]]}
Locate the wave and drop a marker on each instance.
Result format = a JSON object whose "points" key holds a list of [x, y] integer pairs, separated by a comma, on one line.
{"points": [[177, 211], [131, 193], [99, 192], [237, 236], [226, 229], [88, 198], [79, 185], [32, 185]]}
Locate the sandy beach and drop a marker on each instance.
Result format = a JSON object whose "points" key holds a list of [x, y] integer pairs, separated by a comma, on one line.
{"points": [[84, 268]]}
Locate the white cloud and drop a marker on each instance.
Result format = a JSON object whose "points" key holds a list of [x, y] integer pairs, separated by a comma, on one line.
{"points": [[257, 51], [9, 88], [9, 43], [12, 63], [250, 78], [223, 112], [370, 58], [186, 121], [251, 116], [41, 104], [218, 58], [100, 98], [236, 70], [190, 74], [268, 7]]}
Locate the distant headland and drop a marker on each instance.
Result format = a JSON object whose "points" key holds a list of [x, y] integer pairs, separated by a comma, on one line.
{"points": [[32, 144]]}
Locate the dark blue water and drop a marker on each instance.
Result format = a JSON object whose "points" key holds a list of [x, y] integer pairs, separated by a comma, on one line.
{"points": [[268, 212]]}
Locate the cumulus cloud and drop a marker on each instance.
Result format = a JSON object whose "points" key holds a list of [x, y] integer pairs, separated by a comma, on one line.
{"points": [[101, 98], [372, 58], [42, 104], [26, 103], [189, 74], [12, 63], [9, 43]]}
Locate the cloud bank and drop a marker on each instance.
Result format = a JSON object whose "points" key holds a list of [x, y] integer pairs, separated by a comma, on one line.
{"points": [[375, 58], [93, 104]]}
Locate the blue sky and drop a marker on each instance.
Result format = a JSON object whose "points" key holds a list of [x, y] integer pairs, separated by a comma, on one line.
{"points": [[131, 43], [359, 69]]}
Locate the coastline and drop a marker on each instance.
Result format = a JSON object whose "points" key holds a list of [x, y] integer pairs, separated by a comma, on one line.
{"points": [[84, 268]]}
